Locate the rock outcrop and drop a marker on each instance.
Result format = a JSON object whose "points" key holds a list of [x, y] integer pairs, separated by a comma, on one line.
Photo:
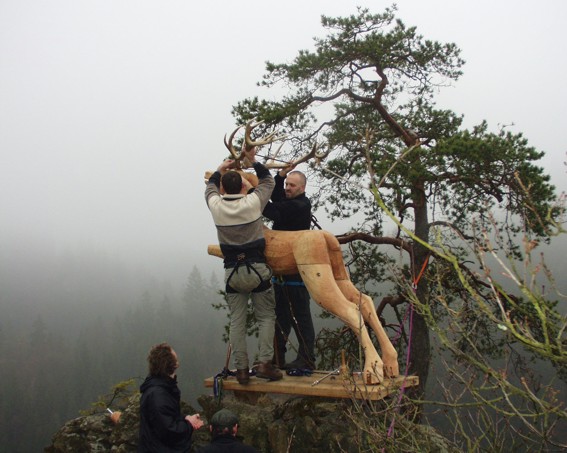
{"points": [[272, 424]]}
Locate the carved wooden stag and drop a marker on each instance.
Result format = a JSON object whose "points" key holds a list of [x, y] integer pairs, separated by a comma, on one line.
{"points": [[317, 256]]}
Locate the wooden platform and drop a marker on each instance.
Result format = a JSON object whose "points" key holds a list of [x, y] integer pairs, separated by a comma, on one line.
{"points": [[331, 387]]}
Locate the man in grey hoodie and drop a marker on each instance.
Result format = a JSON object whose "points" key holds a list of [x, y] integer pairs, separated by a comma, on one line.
{"points": [[238, 219]]}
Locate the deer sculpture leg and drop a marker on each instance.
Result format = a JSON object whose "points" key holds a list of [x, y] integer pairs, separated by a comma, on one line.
{"points": [[368, 311], [365, 304], [314, 264]]}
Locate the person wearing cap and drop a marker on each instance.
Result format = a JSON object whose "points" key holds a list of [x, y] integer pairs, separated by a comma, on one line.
{"points": [[162, 426], [224, 427]]}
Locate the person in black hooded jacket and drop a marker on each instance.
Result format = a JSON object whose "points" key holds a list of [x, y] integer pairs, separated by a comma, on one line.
{"points": [[162, 427]]}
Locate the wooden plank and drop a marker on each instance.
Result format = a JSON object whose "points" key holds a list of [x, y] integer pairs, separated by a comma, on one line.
{"points": [[331, 387]]}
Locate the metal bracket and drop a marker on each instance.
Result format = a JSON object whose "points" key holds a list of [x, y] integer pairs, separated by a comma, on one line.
{"points": [[332, 373]]}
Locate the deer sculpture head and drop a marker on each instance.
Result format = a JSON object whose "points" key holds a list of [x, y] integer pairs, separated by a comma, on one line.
{"points": [[241, 163]]}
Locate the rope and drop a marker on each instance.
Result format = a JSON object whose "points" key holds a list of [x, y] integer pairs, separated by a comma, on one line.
{"points": [[225, 372], [423, 267], [299, 336], [218, 383], [315, 223], [415, 282]]}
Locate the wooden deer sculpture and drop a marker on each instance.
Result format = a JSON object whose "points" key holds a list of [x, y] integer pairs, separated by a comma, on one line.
{"points": [[316, 255]]}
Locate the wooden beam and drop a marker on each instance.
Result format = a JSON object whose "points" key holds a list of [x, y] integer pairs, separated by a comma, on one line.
{"points": [[334, 386]]}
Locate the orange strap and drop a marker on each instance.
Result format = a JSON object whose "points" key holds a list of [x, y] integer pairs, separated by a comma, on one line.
{"points": [[425, 262]]}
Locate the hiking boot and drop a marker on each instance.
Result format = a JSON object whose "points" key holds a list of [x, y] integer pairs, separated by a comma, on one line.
{"points": [[243, 376], [268, 371]]}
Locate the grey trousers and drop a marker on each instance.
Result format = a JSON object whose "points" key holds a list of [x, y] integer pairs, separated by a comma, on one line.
{"points": [[244, 281]]}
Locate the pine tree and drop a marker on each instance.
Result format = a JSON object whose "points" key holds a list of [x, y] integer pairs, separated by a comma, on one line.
{"points": [[366, 92]]}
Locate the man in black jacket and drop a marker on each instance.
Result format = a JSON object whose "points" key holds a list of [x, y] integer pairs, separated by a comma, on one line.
{"points": [[290, 209], [162, 427], [224, 427]]}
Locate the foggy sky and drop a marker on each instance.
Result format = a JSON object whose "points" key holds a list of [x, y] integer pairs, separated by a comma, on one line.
{"points": [[111, 111]]}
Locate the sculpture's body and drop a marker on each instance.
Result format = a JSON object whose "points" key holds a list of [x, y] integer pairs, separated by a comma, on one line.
{"points": [[317, 256]]}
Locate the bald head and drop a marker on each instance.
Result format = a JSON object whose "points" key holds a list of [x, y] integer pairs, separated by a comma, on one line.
{"points": [[295, 183]]}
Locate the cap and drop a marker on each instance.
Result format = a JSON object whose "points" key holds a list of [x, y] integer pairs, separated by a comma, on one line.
{"points": [[224, 418]]}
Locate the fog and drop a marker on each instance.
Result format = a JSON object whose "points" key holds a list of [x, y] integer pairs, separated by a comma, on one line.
{"points": [[111, 112]]}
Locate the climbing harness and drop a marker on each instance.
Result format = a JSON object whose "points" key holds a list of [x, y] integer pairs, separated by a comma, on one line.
{"points": [[242, 260]]}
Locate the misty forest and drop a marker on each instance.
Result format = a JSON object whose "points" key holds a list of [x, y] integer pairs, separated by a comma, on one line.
{"points": [[95, 325], [451, 232]]}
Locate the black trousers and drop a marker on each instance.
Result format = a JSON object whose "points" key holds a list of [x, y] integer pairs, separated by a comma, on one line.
{"points": [[293, 311]]}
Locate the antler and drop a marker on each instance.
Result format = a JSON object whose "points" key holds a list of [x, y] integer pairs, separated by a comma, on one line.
{"points": [[250, 126], [319, 156], [249, 143], [238, 155], [233, 151]]}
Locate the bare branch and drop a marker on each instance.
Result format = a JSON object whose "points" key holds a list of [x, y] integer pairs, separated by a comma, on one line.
{"points": [[453, 227], [313, 154], [393, 301], [350, 237]]}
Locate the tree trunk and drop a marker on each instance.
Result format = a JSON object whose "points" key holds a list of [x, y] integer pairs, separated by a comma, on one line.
{"points": [[420, 348]]}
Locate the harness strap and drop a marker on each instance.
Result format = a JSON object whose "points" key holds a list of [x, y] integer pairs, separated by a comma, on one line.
{"points": [[281, 282], [262, 286], [315, 223]]}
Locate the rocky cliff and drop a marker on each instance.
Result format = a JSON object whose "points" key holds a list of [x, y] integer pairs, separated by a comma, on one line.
{"points": [[272, 424]]}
